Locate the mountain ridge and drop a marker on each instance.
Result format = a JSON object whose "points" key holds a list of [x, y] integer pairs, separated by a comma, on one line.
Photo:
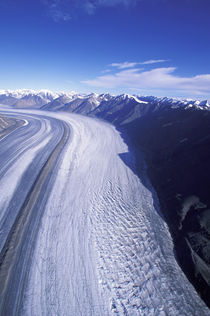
{"points": [[46, 99]]}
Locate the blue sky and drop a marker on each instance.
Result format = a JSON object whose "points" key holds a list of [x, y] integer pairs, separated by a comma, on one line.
{"points": [[155, 47]]}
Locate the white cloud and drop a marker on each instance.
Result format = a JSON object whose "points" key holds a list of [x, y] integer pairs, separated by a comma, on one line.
{"points": [[124, 65], [158, 79], [153, 61], [127, 64]]}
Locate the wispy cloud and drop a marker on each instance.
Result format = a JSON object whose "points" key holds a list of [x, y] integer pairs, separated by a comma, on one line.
{"points": [[127, 64], [161, 79], [153, 61], [124, 65], [65, 9]]}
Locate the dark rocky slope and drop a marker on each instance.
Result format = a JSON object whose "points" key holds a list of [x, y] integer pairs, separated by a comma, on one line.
{"points": [[176, 145]]}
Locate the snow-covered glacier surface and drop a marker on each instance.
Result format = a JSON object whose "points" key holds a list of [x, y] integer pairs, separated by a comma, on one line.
{"points": [[102, 246]]}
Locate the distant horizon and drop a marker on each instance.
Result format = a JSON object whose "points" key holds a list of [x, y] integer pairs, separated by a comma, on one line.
{"points": [[98, 93]]}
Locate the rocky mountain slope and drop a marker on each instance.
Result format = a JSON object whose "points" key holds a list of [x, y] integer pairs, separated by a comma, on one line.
{"points": [[176, 145]]}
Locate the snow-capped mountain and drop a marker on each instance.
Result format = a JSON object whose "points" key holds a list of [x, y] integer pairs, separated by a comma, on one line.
{"points": [[102, 105], [20, 93], [24, 98], [119, 109], [82, 104]]}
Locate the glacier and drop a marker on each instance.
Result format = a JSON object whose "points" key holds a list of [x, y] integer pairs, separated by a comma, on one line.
{"points": [[102, 247]]}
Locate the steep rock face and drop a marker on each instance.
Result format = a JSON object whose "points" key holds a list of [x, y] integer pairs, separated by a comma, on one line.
{"points": [[176, 145]]}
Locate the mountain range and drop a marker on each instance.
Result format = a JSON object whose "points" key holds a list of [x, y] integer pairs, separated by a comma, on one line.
{"points": [[101, 105]]}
